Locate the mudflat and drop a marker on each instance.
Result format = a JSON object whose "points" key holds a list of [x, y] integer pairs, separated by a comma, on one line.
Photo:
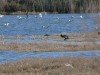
{"points": [[52, 43]]}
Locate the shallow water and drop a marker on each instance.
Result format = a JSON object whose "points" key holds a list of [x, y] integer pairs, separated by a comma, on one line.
{"points": [[12, 25], [29, 40], [8, 56]]}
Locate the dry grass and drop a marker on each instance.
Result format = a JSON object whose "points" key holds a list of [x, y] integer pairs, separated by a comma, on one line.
{"points": [[45, 47], [53, 66], [77, 37]]}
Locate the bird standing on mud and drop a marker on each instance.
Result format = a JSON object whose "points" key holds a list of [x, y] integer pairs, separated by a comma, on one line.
{"points": [[64, 36]]}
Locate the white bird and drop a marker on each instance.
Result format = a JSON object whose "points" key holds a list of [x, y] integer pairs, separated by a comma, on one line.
{"points": [[72, 17], [57, 17], [6, 24], [35, 16], [43, 26], [69, 20], [96, 28], [69, 65], [1, 16], [19, 17], [81, 16], [40, 15]]}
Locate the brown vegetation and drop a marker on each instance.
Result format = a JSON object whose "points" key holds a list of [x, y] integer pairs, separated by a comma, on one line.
{"points": [[53, 66], [46, 47], [59, 6], [52, 47]]}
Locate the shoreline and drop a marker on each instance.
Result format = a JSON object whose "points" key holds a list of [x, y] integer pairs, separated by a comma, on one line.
{"points": [[33, 13], [30, 13], [52, 43]]}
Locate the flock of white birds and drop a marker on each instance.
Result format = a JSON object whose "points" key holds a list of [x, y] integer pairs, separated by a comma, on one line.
{"points": [[41, 15]]}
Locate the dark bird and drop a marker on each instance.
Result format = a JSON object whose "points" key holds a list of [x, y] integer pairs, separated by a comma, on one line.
{"points": [[98, 33], [64, 36], [46, 35]]}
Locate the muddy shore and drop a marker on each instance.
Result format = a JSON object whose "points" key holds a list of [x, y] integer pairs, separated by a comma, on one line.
{"points": [[41, 43]]}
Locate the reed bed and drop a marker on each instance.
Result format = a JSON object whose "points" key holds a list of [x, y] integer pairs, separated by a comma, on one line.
{"points": [[53, 66], [45, 47], [51, 6]]}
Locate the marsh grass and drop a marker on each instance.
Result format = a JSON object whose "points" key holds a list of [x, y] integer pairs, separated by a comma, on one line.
{"points": [[53, 66], [53, 47], [45, 47]]}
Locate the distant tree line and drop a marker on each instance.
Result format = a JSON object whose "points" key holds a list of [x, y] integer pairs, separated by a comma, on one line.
{"points": [[59, 6]]}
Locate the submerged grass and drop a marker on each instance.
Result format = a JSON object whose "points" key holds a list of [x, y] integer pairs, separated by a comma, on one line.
{"points": [[53, 66]]}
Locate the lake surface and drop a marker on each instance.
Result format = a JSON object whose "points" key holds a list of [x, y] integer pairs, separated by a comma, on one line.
{"points": [[12, 25], [6, 56]]}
